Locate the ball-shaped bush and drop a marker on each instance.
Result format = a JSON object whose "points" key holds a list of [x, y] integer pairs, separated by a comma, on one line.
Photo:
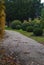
{"points": [[25, 25], [15, 23], [18, 27], [29, 29], [38, 31]]}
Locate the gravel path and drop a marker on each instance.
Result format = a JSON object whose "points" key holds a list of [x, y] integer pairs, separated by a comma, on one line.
{"points": [[27, 51]]}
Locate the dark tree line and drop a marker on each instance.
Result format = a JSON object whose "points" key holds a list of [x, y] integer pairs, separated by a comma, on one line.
{"points": [[22, 9]]}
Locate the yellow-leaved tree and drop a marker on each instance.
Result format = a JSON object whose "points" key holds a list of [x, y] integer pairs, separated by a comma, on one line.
{"points": [[2, 18]]}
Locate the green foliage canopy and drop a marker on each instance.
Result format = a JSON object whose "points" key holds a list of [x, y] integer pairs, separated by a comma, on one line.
{"points": [[22, 9]]}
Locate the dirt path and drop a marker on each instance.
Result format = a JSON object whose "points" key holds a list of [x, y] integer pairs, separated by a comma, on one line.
{"points": [[27, 51]]}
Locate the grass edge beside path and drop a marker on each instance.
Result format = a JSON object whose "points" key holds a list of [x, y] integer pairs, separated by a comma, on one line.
{"points": [[39, 39]]}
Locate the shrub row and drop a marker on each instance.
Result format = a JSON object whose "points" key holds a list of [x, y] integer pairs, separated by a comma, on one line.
{"points": [[36, 28]]}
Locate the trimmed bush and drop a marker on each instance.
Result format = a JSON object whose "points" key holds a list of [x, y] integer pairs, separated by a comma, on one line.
{"points": [[18, 27], [25, 25], [37, 20], [32, 23], [29, 29], [38, 31], [38, 25], [42, 24], [15, 23]]}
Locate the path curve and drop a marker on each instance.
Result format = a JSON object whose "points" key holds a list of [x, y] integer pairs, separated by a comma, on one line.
{"points": [[27, 50]]}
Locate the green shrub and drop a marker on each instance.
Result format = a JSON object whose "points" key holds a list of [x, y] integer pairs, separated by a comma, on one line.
{"points": [[32, 23], [18, 27], [37, 25], [37, 20], [29, 29], [24, 25], [42, 24], [15, 23], [38, 31]]}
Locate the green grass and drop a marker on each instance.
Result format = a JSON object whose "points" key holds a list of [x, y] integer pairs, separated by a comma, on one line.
{"points": [[30, 35], [8, 28]]}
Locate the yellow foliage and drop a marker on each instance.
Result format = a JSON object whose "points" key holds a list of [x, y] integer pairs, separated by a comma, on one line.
{"points": [[36, 20], [2, 18]]}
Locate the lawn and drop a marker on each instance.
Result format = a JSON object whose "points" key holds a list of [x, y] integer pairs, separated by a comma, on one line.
{"points": [[30, 35]]}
